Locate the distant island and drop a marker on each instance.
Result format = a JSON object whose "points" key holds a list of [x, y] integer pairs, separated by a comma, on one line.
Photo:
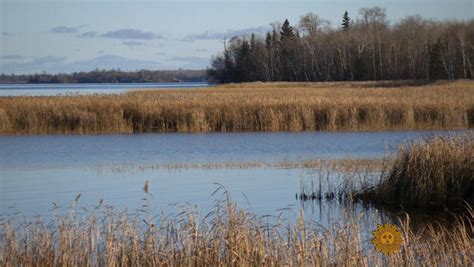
{"points": [[110, 76]]}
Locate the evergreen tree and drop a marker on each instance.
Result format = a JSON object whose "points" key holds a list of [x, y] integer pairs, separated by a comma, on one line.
{"points": [[268, 40], [346, 21], [253, 42], [288, 46], [228, 72], [436, 69], [242, 62], [287, 32]]}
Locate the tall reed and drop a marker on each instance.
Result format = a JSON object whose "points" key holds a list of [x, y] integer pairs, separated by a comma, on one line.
{"points": [[431, 173], [248, 107], [229, 236]]}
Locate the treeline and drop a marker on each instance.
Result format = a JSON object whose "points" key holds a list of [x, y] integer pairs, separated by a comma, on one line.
{"points": [[110, 76], [365, 48]]}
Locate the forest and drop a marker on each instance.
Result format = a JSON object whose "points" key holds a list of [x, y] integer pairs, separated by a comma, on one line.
{"points": [[367, 47], [110, 76]]}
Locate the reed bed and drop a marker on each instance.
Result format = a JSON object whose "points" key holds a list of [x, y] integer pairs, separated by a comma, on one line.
{"points": [[248, 107], [329, 165], [228, 236], [426, 174]]}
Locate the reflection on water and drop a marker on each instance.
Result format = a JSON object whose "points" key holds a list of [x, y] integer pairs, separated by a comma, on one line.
{"points": [[269, 191], [36, 171], [84, 151]]}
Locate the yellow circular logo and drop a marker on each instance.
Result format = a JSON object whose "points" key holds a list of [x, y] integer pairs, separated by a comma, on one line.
{"points": [[387, 239]]}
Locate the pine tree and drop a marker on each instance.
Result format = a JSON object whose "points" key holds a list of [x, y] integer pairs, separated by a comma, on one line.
{"points": [[268, 40], [436, 69], [253, 42], [287, 31], [288, 46], [242, 61], [346, 21]]}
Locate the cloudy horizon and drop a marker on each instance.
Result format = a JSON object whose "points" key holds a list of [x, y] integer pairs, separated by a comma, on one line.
{"points": [[60, 36]]}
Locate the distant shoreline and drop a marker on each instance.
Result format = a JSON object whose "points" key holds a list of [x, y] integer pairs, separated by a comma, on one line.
{"points": [[105, 82], [110, 76]]}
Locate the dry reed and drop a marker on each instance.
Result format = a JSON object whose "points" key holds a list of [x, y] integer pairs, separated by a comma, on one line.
{"points": [[229, 236], [248, 107], [433, 173], [344, 165]]}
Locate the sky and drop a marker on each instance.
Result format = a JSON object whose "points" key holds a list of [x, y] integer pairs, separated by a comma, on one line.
{"points": [[81, 35]]}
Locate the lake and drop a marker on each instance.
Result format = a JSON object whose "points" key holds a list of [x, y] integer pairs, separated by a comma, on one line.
{"points": [[52, 89], [36, 171]]}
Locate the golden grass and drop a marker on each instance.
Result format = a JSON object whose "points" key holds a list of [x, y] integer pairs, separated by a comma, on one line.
{"points": [[434, 173], [344, 165], [248, 107], [229, 236]]}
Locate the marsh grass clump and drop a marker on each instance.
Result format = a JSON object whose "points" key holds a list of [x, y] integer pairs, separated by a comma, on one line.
{"points": [[433, 173], [338, 179], [337, 106]]}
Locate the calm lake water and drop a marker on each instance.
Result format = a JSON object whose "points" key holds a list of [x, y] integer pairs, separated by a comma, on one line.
{"points": [[87, 88], [38, 170]]}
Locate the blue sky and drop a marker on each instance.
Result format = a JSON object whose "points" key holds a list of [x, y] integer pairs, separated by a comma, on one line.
{"points": [[66, 35]]}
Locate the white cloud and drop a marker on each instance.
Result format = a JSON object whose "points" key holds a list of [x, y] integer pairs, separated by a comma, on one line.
{"points": [[7, 34], [131, 34], [132, 43], [89, 34], [53, 64], [64, 29], [212, 35]]}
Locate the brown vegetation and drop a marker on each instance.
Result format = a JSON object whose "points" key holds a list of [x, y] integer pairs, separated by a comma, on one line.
{"points": [[436, 173], [248, 107], [343, 165], [229, 236]]}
